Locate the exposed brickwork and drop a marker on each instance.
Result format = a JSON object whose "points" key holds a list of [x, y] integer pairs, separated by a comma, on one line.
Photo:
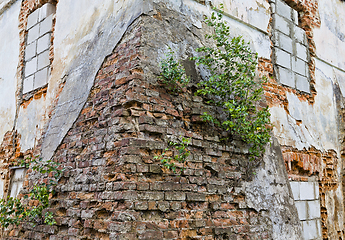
{"points": [[342, 133], [302, 164], [7, 152], [36, 95], [329, 181], [113, 189]]}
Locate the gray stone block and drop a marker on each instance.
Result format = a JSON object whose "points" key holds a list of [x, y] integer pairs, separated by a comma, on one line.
{"points": [[299, 35], [273, 7], [301, 52], [286, 77], [317, 193], [41, 78], [307, 191], [319, 230], [281, 24], [30, 51], [31, 67], [2, 184], [302, 210], [32, 19], [28, 84], [299, 66], [15, 189], [310, 230], [33, 34], [294, 16], [19, 174], [282, 58], [46, 25], [43, 60], [43, 43], [302, 83], [295, 190], [284, 42], [46, 10], [283, 9], [314, 210]]}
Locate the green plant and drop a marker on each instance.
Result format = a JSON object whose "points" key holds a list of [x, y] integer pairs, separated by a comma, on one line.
{"points": [[15, 211], [181, 156], [173, 74], [233, 87]]}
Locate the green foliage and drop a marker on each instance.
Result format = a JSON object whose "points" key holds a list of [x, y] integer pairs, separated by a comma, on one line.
{"points": [[15, 211], [179, 157], [173, 74], [233, 88], [11, 212]]}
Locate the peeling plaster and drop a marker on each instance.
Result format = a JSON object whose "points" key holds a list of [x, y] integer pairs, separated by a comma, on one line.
{"points": [[330, 37], [86, 32], [9, 52], [253, 12], [318, 127], [271, 192], [259, 41], [340, 78], [30, 123]]}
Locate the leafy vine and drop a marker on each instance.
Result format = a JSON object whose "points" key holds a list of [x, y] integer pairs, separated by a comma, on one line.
{"points": [[16, 211]]}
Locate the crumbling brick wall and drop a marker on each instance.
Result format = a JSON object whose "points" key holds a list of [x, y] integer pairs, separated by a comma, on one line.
{"points": [[112, 187]]}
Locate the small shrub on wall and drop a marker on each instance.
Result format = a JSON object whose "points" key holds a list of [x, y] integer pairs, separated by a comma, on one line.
{"points": [[232, 87]]}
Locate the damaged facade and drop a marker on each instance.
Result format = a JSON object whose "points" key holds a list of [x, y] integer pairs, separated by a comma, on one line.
{"points": [[79, 85]]}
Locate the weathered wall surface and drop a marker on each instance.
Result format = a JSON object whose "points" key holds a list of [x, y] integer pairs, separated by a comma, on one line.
{"points": [[104, 115], [80, 53], [255, 13], [9, 52], [126, 111], [259, 40], [269, 192], [315, 122], [330, 37], [309, 126]]}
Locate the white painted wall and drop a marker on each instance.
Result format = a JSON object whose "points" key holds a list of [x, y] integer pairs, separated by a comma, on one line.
{"points": [[259, 40], [253, 12], [330, 37], [9, 58], [30, 122]]}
